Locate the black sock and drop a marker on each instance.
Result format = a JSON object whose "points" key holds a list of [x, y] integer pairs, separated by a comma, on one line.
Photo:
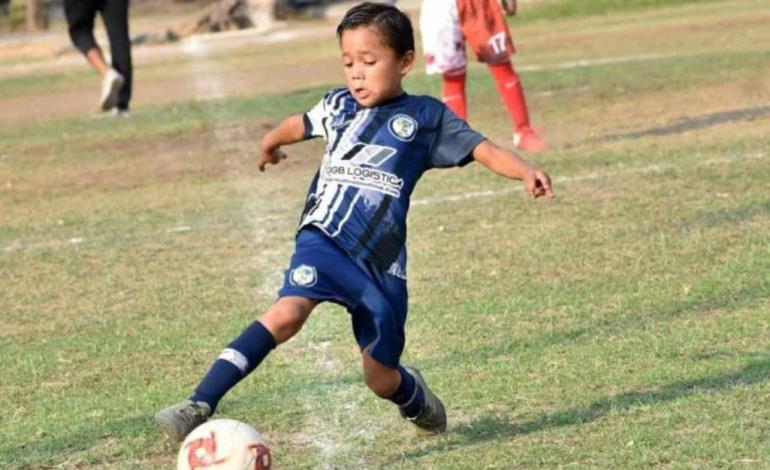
{"points": [[235, 362], [408, 396]]}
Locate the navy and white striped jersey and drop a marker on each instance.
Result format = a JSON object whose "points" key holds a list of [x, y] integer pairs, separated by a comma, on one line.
{"points": [[373, 159]]}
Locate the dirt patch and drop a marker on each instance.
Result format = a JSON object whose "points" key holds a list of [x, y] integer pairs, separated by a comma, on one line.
{"points": [[212, 153], [228, 63], [127, 164], [179, 85]]}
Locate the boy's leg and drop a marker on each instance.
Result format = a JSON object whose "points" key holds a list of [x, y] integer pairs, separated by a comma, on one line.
{"points": [[80, 16], [96, 59], [384, 381], [487, 33], [115, 16], [442, 39], [80, 20], [378, 325], [512, 94], [454, 93], [282, 321], [405, 387]]}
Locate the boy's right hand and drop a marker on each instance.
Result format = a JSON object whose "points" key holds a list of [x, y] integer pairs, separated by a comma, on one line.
{"points": [[509, 7], [271, 156], [537, 183]]}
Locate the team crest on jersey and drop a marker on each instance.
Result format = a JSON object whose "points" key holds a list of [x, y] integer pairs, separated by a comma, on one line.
{"points": [[303, 275], [403, 127]]}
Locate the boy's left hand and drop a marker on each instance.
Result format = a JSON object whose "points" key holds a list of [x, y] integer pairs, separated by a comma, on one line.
{"points": [[537, 183], [271, 156]]}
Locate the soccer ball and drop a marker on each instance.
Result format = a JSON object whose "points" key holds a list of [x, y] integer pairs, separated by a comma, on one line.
{"points": [[224, 444]]}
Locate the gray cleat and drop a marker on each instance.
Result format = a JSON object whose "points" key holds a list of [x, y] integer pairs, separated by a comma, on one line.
{"points": [[432, 416], [178, 420]]}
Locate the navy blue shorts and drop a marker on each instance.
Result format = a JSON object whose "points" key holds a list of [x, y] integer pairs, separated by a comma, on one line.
{"points": [[377, 301]]}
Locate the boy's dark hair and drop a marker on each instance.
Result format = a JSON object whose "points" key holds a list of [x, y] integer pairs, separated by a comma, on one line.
{"points": [[393, 25]]}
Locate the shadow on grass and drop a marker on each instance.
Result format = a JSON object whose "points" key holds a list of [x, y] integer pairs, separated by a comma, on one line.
{"points": [[627, 318], [53, 450], [489, 427], [50, 451], [694, 123]]}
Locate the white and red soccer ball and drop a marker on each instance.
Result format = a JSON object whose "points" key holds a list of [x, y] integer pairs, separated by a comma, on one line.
{"points": [[224, 444]]}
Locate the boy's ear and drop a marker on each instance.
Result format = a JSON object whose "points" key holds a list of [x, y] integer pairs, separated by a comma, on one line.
{"points": [[407, 61]]}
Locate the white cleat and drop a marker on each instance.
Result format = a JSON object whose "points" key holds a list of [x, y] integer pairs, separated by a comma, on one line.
{"points": [[111, 84]]}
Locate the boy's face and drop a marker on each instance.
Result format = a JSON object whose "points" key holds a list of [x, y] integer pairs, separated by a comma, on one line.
{"points": [[373, 71]]}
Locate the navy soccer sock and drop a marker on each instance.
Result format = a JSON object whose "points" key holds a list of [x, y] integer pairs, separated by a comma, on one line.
{"points": [[408, 396], [235, 362]]}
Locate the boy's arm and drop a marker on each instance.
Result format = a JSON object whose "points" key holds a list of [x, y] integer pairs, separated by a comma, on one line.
{"points": [[506, 163], [290, 131]]}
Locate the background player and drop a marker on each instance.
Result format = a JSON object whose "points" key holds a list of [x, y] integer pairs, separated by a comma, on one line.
{"points": [[350, 247], [446, 25], [116, 79]]}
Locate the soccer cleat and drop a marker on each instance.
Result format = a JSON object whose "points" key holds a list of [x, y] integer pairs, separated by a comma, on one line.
{"points": [[528, 138], [179, 420], [432, 416], [111, 84]]}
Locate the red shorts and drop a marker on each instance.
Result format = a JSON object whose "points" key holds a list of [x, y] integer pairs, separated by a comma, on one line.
{"points": [[485, 30]]}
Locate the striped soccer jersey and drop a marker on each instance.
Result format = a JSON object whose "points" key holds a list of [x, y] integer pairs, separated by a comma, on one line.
{"points": [[374, 156]]}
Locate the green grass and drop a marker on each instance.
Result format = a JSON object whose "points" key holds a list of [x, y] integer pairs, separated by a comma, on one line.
{"points": [[623, 324], [557, 9]]}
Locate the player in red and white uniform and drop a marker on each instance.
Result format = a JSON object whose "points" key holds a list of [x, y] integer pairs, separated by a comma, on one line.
{"points": [[446, 27]]}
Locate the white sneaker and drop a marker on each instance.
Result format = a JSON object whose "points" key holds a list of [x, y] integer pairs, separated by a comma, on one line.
{"points": [[121, 113], [111, 84]]}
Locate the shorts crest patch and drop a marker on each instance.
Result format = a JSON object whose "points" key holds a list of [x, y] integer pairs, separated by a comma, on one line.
{"points": [[303, 275], [403, 127]]}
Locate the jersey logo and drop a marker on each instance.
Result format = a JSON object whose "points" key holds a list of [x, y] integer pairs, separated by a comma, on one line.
{"points": [[358, 167], [303, 275], [403, 127], [368, 154]]}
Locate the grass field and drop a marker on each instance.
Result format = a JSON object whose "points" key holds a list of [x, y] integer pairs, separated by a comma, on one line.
{"points": [[624, 324]]}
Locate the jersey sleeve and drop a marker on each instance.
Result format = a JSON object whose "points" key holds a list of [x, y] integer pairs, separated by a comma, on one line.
{"points": [[314, 120], [454, 141]]}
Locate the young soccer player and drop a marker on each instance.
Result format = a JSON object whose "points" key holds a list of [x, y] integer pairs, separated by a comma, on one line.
{"points": [[350, 246], [445, 26]]}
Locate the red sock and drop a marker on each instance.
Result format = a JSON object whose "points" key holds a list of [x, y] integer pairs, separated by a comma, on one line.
{"points": [[454, 94], [511, 92]]}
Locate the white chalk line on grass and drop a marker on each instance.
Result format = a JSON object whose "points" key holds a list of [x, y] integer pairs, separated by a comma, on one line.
{"points": [[583, 63], [549, 93], [264, 223], [620, 170], [207, 86], [331, 420]]}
